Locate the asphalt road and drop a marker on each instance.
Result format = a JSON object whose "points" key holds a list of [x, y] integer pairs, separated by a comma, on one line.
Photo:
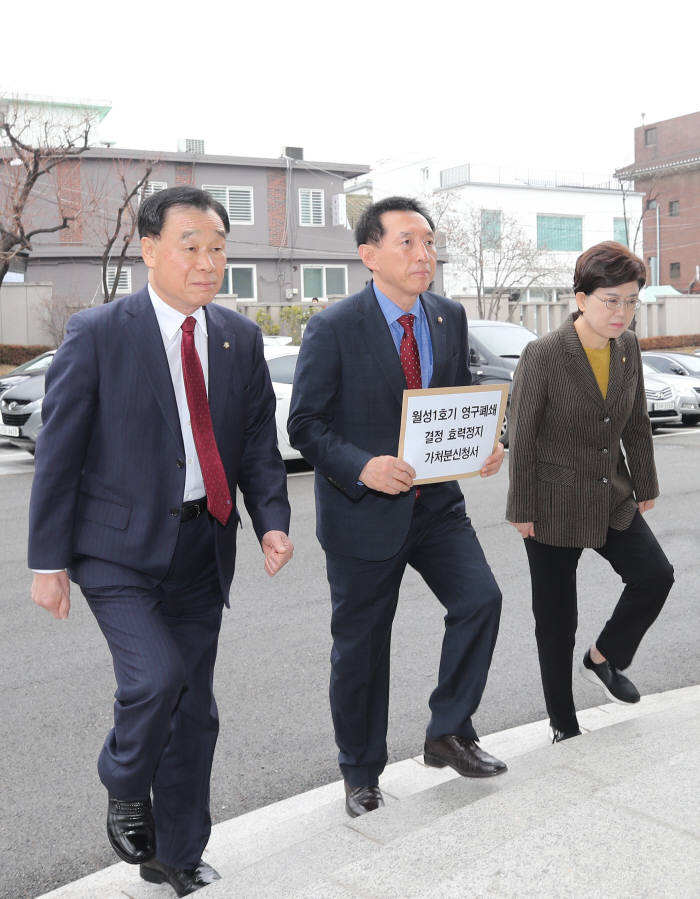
{"points": [[272, 674]]}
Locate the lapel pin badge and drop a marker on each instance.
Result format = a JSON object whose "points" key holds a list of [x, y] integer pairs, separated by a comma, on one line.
{"points": [[624, 358], [227, 345], [439, 319]]}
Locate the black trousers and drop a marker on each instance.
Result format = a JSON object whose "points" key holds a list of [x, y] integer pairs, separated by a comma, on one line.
{"points": [[445, 551], [648, 577]]}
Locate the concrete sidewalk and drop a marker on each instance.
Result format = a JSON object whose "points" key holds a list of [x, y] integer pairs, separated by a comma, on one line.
{"points": [[615, 812]]}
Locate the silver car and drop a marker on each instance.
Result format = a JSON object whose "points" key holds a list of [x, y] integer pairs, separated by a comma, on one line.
{"points": [[30, 369], [20, 408], [661, 402], [685, 387]]}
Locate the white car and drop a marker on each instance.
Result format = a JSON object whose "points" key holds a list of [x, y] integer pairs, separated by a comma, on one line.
{"points": [[282, 360]]}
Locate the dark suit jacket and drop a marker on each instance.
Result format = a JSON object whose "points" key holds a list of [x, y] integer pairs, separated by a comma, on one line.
{"points": [[110, 470], [346, 408], [568, 472]]}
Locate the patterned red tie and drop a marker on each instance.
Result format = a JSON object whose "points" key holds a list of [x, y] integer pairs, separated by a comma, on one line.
{"points": [[410, 359], [215, 483]]}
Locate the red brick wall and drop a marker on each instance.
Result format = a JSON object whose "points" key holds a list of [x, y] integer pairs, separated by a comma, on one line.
{"points": [[184, 174], [679, 235], [276, 206], [674, 138], [679, 241]]}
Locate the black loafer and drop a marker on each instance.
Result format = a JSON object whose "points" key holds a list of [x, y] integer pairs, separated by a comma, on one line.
{"points": [[183, 880], [131, 830], [559, 735], [615, 685], [360, 800], [464, 755]]}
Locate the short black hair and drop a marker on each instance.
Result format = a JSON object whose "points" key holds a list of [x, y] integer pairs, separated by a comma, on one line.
{"points": [[153, 210], [369, 228], [607, 264]]}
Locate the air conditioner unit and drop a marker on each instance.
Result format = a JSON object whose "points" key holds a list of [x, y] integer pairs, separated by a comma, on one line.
{"points": [[339, 206]]}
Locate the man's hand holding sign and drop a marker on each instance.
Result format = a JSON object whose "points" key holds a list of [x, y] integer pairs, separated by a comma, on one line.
{"points": [[452, 432]]}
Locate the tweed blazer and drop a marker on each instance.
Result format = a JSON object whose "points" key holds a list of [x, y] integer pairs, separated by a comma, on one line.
{"points": [[579, 464]]}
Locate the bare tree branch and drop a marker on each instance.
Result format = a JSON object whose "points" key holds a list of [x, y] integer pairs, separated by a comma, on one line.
{"points": [[118, 226], [23, 163], [494, 253]]}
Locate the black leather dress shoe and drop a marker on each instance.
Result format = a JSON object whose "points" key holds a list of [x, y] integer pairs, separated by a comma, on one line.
{"points": [[559, 735], [360, 800], [131, 830], [615, 685], [183, 880], [464, 755]]}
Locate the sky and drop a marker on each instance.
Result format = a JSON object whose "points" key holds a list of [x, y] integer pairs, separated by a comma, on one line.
{"points": [[549, 85]]}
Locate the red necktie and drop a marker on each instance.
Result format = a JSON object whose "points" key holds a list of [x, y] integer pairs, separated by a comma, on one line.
{"points": [[408, 351], [215, 483]]}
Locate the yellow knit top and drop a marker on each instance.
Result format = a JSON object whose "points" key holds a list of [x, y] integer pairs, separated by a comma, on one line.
{"points": [[599, 361]]}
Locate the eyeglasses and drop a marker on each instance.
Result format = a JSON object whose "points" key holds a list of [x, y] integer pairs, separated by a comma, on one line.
{"points": [[614, 304]]}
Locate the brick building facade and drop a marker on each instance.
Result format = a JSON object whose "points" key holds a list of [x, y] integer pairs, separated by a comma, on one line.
{"points": [[667, 170]]}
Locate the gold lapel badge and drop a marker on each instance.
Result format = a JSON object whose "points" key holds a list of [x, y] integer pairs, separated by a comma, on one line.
{"points": [[624, 358], [227, 346], [439, 319]]}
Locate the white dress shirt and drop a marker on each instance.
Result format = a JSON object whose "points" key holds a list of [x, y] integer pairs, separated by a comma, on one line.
{"points": [[170, 324]]}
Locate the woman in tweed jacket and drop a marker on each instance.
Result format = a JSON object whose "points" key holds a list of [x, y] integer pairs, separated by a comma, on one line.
{"points": [[582, 474]]}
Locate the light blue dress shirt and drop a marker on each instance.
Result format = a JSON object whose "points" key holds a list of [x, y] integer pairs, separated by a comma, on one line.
{"points": [[392, 313]]}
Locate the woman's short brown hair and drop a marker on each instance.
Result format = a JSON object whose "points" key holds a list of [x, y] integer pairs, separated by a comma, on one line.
{"points": [[607, 264]]}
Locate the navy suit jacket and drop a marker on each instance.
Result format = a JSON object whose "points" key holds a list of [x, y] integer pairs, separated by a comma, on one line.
{"points": [[346, 408], [110, 469]]}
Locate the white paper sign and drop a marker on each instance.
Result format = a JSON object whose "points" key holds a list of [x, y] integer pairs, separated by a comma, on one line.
{"points": [[447, 432]]}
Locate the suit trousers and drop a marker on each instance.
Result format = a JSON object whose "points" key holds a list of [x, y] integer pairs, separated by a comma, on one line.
{"points": [[648, 577], [445, 551], [163, 643]]}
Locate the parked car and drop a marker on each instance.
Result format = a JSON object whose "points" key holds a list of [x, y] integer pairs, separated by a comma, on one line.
{"points": [[30, 369], [20, 408], [661, 402], [673, 363], [282, 360], [686, 393], [494, 351]]}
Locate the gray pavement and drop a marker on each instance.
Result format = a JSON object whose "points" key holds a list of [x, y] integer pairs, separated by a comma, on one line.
{"points": [[613, 812], [272, 676]]}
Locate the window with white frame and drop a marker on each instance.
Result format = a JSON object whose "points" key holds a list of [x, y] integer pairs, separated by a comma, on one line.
{"points": [[323, 281], [124, 282], [152, 187], [311, 210], [241, 281], [237, 201]]}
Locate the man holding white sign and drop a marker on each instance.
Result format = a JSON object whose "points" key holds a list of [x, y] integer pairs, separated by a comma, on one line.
{"points": [[356, 360]]}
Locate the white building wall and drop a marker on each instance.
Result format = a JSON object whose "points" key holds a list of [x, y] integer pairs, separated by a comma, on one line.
{"points": [[419, 176], [597, 208]]}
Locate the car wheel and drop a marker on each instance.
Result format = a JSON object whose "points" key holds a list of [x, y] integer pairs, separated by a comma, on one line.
{"points": [[690, 420], [504, 427]]}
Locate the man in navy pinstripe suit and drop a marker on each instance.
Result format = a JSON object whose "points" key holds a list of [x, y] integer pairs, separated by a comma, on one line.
{"points": [[345, 417], [118, 505]]}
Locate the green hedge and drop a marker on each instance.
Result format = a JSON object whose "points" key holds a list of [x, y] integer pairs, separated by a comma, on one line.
{"points": [[15, 354], [667, 343]]}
